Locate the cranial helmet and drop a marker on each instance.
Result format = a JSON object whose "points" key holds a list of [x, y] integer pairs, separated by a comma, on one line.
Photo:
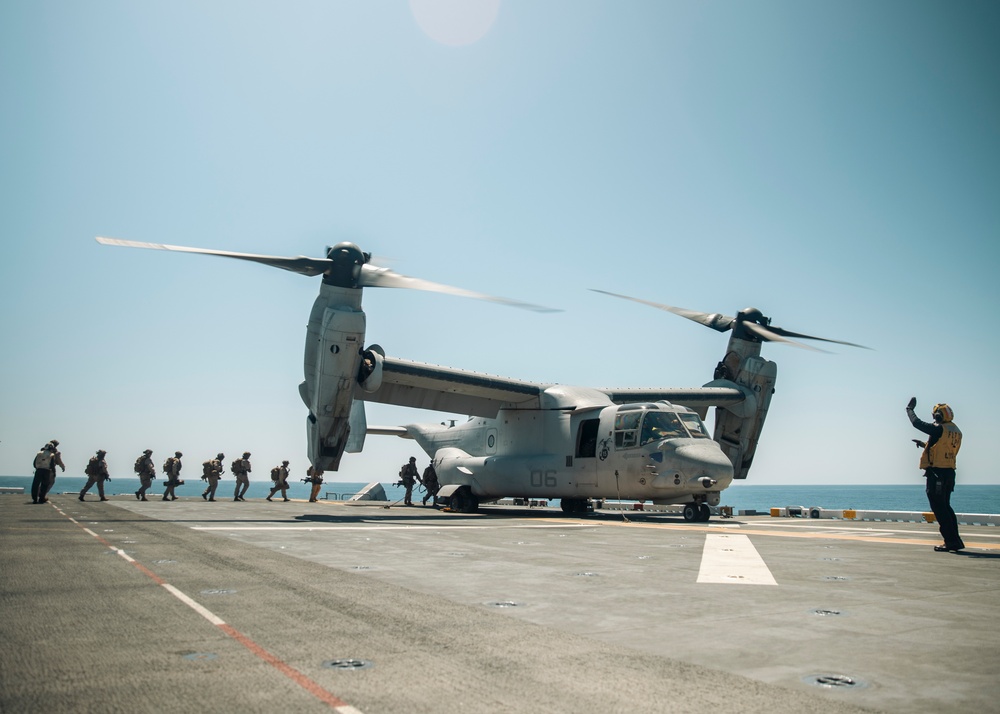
{"points": [[101, 452], [246, 454], [943, 413], [220, 456], [178, 454]]}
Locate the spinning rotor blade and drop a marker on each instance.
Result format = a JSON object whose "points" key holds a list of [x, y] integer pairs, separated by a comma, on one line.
{"points": [[373, 277], [362, 273], [769, 335], [718, 322], [301, 264], [749, 319], [788, 333]]}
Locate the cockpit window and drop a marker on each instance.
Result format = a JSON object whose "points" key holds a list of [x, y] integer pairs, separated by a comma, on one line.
{"points": [[627, 429], [661, 425], [695, 425]]}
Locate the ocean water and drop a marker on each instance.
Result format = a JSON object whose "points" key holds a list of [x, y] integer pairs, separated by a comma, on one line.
{"points": [[192, 488], [966, 498], [741, 496]]}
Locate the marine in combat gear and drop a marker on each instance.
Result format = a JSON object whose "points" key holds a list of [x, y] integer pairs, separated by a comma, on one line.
{"points": [[241, 469], [212, 472], [43, 466], [172, 475], [430, 482], [279, 475], [408, 478], [97, 474], [147, 472], [315, 477]]}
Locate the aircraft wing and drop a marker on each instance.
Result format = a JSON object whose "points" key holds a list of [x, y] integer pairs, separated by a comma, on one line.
{"points": [[693, 397], [445, 389]]}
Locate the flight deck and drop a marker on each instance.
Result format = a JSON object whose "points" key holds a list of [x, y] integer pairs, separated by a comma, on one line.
{"points": [[256, 606]]}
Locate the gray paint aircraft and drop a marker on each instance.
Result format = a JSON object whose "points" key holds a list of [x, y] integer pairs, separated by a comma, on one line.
{"points": [[527, 439]]}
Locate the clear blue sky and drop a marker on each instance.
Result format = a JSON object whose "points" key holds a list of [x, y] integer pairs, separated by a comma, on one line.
{"points": [[836, 164]]}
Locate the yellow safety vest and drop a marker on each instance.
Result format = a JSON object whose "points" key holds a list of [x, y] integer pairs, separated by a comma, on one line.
{"points": [[942, 454]]}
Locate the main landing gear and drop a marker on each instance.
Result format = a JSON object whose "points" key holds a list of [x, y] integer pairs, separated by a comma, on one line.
{"points": [[697, 512], [575, 505], [464, 501]]}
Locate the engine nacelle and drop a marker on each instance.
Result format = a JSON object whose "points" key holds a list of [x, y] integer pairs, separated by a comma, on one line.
{"points": [[333, 355], [738, 427]]}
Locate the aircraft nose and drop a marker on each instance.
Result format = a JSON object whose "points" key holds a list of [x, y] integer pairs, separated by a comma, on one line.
{"points": [[705, 459]]}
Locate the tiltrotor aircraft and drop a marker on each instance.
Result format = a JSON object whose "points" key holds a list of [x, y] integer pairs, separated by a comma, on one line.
{"points": [[526, 439]]}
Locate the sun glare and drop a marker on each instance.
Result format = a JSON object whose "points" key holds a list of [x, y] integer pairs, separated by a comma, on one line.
{"points": [[455, 22]]}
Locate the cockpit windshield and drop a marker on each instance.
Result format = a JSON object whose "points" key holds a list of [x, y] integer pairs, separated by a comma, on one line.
{"points": [[661, 425], [636, 427], [695, 425]]}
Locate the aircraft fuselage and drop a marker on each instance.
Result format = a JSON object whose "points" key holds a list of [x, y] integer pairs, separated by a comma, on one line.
{"points": [[579, 445]]}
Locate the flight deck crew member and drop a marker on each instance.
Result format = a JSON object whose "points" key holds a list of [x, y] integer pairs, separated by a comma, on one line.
{"points": [[172, 475], [147, 472], [938, 460], [213, 472], [315, 477], [97, 473], [430, 482], [241, 468], [56, 461], [43, 473], [408, 476], [279, 475]]}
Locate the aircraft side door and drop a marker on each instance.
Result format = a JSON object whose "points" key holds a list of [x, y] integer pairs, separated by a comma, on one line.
{"points": [[584, 462]]}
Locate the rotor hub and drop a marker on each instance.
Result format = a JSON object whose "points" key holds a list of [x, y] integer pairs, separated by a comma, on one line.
{"points": [[749, 314], [346, 260]]}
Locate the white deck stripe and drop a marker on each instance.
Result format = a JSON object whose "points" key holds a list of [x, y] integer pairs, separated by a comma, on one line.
{"points": [[731, 558], [204, 612]]}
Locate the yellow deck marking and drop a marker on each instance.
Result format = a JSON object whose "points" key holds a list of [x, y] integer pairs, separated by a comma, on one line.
{"points": [[813, 535]]}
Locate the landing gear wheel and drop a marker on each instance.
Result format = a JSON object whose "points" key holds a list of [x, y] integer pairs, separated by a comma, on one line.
{"points": [[573, 505], [691, 512], [704, 513], [464, 501]]}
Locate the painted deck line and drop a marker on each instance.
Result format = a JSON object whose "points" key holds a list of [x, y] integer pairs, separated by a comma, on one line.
{"points": [[730, 558], [286, 669]]}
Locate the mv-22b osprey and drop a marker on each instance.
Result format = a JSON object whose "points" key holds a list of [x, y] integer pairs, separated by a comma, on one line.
{"points": [[526, 439]]}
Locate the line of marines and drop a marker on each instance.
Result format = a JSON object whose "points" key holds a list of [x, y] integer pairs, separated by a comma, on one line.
{"points": [[48, 459]]}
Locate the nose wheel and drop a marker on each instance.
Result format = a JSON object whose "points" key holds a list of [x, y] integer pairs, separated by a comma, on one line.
{"points": [[697, 512]]}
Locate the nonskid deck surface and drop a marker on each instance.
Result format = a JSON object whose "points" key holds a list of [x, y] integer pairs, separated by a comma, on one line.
{"points": [[132, 606]]}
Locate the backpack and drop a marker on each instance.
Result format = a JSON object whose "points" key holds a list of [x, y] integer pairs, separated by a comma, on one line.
{"points": [[92, 466], [206, 469], [167, 465], [235, 466], [275, 474], [43, 460], [138, 464]]}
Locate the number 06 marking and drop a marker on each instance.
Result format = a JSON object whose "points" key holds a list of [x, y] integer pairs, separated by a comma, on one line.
{"points": [[541, 478]]}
